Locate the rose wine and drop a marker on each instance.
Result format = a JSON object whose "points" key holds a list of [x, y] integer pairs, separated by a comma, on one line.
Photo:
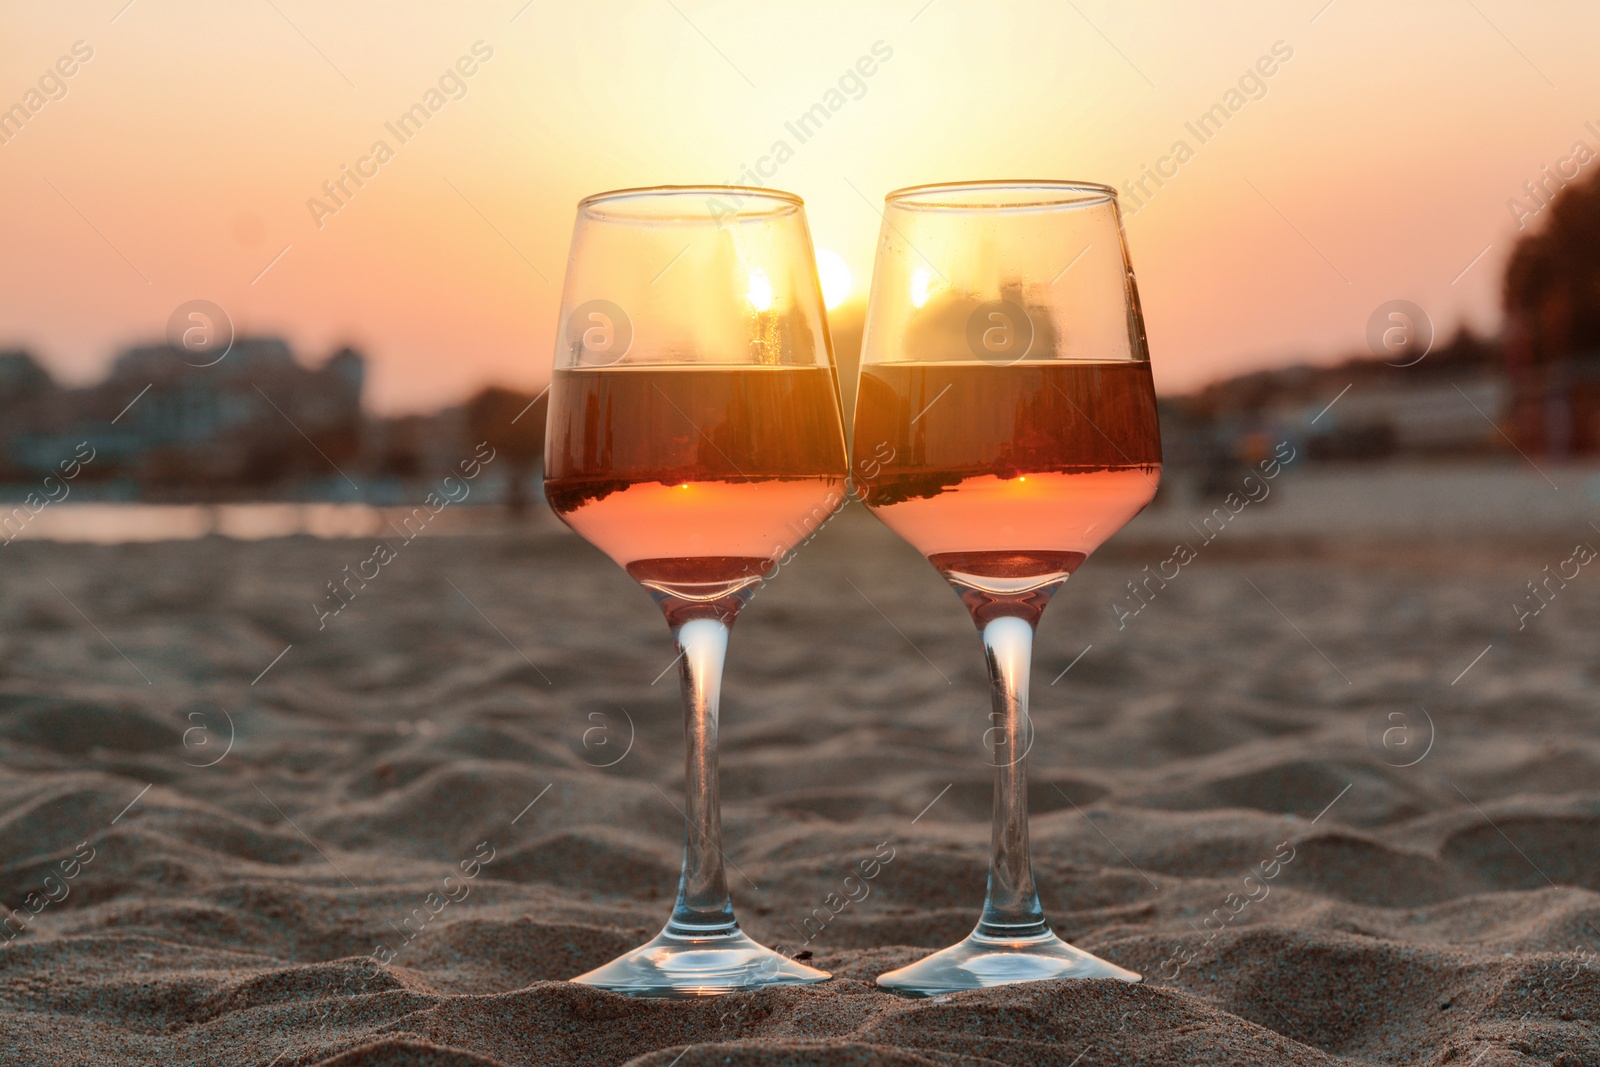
{"points": [[1007, 477], [695, 479]]}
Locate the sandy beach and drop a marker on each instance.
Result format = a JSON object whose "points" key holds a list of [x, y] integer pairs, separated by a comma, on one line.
{"points": [[1320, 789]]}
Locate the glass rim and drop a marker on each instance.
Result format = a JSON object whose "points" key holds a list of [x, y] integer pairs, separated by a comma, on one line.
{"points": [[970, 195], [769, 203]]}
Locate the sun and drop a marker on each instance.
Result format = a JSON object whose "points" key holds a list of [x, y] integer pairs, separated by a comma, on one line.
{"points": [[835, 277], [760, 294]]}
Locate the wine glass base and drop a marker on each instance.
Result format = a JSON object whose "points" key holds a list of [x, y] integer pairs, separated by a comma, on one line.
{"points": [[982, 962], [678, 966]]}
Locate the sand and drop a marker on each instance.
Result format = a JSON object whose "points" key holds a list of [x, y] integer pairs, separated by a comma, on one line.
{"points": [[207, 904]]}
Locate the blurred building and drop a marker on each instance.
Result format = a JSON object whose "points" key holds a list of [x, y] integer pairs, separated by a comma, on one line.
{"points": [[1446, 404], [25, 386], [257, 424], [256, 419]]}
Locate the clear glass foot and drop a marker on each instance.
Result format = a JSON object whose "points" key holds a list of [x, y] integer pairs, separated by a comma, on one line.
{"points": [[981, 962], [675, 965], [701, 952]]}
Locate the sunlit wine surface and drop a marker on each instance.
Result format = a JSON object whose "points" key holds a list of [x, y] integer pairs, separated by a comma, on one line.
{"points": [[695, 478], [1007, 477]]}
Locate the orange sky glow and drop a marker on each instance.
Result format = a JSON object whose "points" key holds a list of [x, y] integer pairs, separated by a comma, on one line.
{"points": [[1357, 152]]}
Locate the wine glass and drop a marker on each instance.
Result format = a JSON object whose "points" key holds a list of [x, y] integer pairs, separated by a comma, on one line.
{"points": [[695, 437], [1007, 420]]}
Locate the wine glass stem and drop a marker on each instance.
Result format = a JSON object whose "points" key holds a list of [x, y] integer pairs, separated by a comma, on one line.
{"points": [[703, 908], [1011, 908]]}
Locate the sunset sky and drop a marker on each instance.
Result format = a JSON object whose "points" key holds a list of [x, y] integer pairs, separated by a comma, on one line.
{"points": [[1374, 163]]}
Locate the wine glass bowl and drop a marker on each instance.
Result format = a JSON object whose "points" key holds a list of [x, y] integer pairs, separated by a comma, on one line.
{"points": [[1006, 400], [695, 437]]}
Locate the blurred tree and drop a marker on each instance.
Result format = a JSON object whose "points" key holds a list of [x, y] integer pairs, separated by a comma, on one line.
{"points": [[1552, 303], [1552, 283]]}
